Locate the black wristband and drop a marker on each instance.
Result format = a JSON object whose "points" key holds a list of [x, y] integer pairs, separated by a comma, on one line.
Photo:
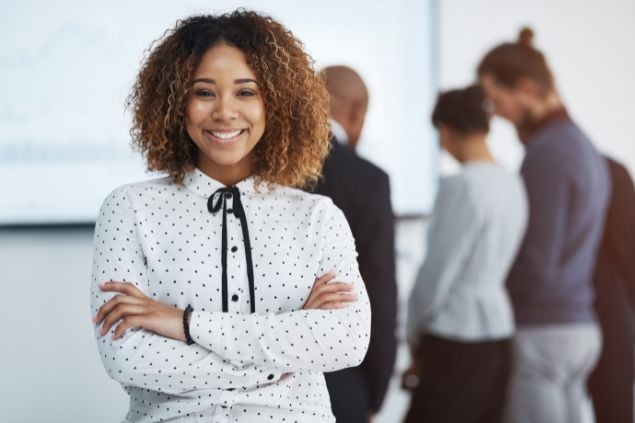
{"points": [[186, 324]]}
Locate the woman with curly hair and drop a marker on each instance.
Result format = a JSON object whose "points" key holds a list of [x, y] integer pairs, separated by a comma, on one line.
{"points": [[222, 292]]}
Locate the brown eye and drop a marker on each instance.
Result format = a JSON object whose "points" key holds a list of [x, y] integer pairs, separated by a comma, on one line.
{"points": [[246, 93], [203, 93]]}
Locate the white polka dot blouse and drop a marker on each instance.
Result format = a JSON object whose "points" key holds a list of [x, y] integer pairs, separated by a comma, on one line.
{"points": [[245, 258]]}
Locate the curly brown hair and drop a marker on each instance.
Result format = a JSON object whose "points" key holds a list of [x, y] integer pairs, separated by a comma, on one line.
{"points": [[296, 137]]}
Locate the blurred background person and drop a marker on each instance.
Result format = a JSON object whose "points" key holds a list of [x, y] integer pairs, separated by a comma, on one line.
{"points": [[611, 383], [349, 104], [362, 191], [460, 320], [558, 340]]}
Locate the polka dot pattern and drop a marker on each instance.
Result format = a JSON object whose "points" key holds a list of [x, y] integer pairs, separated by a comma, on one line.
{"points": [[244, 367]]}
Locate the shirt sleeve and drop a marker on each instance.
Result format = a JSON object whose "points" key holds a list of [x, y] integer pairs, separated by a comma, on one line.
{"points": [[142, 358], [453, 229], [318, 340]]}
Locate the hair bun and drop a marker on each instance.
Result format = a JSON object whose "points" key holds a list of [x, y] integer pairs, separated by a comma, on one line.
{"points": [[526, 37]]}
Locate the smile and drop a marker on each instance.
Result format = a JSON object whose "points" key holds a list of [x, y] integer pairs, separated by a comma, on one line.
{"points": [[224, 136]]}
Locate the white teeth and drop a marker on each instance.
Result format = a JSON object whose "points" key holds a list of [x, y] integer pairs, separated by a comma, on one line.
{"points": [[226, 135]]}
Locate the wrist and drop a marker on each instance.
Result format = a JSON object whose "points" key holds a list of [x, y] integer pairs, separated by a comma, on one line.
{"points": [[187, 318]]}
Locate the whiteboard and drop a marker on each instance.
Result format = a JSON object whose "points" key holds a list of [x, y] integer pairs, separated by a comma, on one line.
{"points": [[67, 66]]}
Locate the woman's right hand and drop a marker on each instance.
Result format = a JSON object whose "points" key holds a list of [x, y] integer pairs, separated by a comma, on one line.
{"points": [[328, 296]]}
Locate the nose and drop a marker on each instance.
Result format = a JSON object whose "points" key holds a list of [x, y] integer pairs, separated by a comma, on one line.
{"points": [[224, 109]]}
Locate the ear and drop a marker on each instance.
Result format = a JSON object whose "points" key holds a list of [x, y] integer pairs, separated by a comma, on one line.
{"points": [[356, 112], [446, 135]]}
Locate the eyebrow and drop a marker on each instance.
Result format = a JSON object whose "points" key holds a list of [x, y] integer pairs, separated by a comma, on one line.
{"points": [[236, 81]]}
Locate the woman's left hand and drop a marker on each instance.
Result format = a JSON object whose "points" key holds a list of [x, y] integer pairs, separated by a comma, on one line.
{"points": [[133, 309]]}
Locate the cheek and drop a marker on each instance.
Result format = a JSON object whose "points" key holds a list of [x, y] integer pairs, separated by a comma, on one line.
{"points": [[193, 119], [257, 115], [505, 107], [195, 113]]}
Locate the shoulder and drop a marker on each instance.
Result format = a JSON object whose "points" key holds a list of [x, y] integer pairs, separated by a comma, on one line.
{"points": [[617, 169], [459, 194], [300, 199], [125, 195], [453, 190], [563, 145], [355, 164], [489, 177], [453, 184], [322, 216]]}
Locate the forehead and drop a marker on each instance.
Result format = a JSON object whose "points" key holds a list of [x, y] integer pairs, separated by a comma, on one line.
{"points": [[224, 58]]}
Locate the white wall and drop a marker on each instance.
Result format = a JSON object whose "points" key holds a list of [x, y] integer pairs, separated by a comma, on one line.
{"points": [[589, 44], [50, 370]]}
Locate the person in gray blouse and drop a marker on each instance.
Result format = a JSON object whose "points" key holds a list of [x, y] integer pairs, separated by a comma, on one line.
{"points": [[460, 320]]}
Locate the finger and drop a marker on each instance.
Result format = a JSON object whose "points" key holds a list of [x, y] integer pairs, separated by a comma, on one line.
{"points": [[127, 323], [119, 312], [324, 278], [334, 297], [321, 290], [332, 306], [109, 305], [333, 287], [127, 288], [326, 289]]}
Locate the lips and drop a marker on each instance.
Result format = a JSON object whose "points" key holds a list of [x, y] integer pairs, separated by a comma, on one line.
{"points": [[224, 136]]}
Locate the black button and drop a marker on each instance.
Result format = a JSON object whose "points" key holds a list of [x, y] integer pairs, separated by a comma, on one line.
{"points": [[228, 195], [270, 377], [234, 249], [230, 211], [223, 406], [234, 298]]}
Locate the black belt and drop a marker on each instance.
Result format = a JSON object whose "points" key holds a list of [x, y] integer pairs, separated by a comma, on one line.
{"points": [[223, 196]]}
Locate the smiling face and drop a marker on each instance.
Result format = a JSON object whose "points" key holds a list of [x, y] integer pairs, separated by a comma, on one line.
{"points": [[225, 116]]}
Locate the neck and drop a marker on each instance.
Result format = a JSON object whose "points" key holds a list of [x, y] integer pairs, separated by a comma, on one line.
{"points": [[227, 175], [536, 114], [474, 148], [546, 106]]}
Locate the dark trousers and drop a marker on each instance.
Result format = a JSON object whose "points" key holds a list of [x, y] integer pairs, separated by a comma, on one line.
{"points": [[461, 382], [348, 389]]}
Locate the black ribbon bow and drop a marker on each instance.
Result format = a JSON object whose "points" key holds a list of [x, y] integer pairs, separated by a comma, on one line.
{"points": [[219, 200]]}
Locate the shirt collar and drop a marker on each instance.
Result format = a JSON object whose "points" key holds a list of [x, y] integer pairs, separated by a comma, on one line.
{"points": [[338, 131], [201, 184], [557, 115]]}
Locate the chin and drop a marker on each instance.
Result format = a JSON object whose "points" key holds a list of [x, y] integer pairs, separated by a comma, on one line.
{"points": [[226, 158]]}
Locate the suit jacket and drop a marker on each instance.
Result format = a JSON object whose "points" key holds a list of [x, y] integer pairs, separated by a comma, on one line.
{"points": [[362, 191], [611, 383], [615, 267]]}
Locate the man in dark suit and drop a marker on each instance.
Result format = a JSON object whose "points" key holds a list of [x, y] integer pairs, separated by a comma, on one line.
{"points": [[611, 383], [362, 191]]}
